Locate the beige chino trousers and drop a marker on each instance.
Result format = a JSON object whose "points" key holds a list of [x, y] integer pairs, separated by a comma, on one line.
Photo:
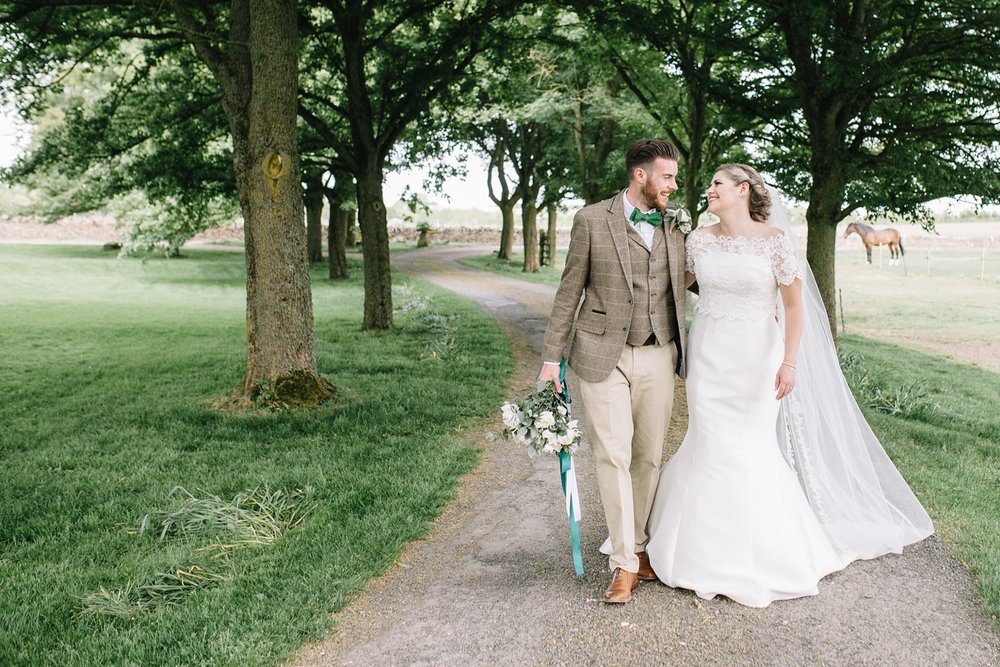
{"points": [[627, 417]]}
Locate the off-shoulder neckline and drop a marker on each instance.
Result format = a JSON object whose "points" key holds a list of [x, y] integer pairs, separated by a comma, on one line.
{"points": [[740, 238]]}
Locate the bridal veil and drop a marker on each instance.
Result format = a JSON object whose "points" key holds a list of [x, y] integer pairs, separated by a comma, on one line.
{"points": [[862, 502]]}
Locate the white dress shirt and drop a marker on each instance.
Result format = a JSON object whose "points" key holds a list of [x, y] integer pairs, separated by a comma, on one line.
{"points": [[645, 229]]}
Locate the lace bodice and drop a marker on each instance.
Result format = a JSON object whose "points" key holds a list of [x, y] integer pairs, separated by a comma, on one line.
{"points": [[738, 277]]}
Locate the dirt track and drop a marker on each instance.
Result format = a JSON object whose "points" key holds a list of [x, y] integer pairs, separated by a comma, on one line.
{"points": [[493, 583]]}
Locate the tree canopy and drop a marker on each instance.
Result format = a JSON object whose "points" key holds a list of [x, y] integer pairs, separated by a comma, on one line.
{"points": [[866, 106]]}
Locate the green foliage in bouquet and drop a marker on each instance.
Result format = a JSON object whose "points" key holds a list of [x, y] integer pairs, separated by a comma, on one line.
{"points": [[541, 422]]}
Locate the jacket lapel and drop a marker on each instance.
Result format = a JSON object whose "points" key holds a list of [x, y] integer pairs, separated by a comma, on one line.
{"points": [[619, 235]]}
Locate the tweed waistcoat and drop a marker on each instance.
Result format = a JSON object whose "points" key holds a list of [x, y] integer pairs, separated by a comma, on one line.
{"points": [[653, 303]]}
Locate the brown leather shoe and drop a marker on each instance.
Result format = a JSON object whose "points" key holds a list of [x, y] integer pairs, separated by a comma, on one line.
{"points": [[621, 587], [645, 572]]}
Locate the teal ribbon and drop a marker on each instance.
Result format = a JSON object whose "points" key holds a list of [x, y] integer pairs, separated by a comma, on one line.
{"points": [[565, 461]]}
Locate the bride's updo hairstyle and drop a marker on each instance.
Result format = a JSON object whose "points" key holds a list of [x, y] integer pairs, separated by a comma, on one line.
{"points": [[760, 198]]}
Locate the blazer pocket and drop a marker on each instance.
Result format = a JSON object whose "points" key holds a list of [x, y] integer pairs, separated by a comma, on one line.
{"points": [[593, 322]]}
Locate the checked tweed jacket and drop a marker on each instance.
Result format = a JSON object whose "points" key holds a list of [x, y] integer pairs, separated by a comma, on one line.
{"points": [[599, 267]]}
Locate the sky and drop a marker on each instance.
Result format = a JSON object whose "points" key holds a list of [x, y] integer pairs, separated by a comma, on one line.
{"points": [[469, 191], [10, 141]]}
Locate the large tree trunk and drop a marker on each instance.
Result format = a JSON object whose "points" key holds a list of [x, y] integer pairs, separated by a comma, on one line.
{"points": [[372, 220], [257, 73], [351, 235], [697, 113], [553, 212], [822, 215], [505, 201], [336, 241], [280, 344], [341, 215], [529, 229], [507, 230], [314, 217]]}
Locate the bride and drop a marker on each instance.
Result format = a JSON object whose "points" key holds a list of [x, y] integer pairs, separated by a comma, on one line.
{"points": [[779, 480]]}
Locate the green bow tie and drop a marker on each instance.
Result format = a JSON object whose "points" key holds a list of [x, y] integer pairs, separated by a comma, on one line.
{"points": [[654, 218]]}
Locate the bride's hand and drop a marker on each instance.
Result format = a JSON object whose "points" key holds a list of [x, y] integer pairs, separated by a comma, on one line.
{"points": [[784, 380]]}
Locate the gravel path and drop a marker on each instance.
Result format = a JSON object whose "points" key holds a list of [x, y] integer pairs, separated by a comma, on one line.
{"points": [[493, 582]]}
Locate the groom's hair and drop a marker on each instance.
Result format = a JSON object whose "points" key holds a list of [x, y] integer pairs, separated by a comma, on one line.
{"points": [[643, 153]]}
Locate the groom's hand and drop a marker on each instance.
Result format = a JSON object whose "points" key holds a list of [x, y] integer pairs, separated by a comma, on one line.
{"points": [[550, 372]]}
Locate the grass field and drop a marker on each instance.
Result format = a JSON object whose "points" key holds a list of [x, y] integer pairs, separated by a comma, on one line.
{"points": [[948, 308], [107, 373], [950, 454]]}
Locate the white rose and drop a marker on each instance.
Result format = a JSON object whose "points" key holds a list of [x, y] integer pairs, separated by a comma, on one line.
{"points": [[545, 420], [511, 416], [551, 442]]}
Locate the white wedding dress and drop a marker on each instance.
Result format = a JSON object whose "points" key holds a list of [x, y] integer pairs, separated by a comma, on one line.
{"points": [[730, 517]]}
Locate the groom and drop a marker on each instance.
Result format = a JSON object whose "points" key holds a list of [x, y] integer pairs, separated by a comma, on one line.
{"points": [[628, 344]]}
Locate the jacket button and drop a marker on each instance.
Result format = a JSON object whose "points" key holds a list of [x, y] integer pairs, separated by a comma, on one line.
{"points": [[625, 329], [630, 302]]}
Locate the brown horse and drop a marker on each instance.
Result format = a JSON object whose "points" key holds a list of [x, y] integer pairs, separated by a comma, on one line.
{"points": [[871, 238]]}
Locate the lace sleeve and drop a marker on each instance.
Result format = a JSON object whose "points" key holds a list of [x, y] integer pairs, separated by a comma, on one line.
{"points": [[783, 261], [690, 250]]}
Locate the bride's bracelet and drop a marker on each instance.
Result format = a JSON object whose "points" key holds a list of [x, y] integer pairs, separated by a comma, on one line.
{"points": [[792, 366]]}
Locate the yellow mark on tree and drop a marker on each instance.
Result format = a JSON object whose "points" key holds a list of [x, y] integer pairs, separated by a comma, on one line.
{"points": [[276, 168]]}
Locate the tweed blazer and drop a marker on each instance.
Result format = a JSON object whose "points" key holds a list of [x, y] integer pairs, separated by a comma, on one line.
{"points": [[598, 269]]}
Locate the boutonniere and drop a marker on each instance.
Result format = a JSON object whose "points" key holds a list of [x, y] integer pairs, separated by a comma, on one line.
{"points": [[679, 218]]}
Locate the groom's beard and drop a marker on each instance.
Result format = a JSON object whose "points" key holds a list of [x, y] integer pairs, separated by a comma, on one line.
{"points": [[651, 196]]}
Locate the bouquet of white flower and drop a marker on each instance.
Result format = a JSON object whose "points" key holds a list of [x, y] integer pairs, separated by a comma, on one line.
{"points": [[541, 422]]}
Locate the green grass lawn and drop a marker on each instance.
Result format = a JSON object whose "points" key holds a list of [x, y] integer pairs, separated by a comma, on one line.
{"points": [[107, 373], [950, 456]]}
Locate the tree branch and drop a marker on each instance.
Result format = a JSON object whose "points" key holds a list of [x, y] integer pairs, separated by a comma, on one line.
{"points": [[331, 139]]}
